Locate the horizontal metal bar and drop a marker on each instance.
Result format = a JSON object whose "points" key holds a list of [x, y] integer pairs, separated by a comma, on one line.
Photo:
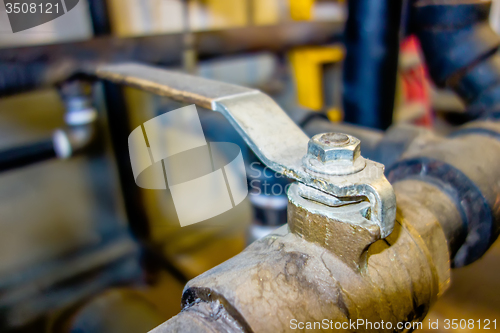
{"points": [[25, 68], [276, 140]]}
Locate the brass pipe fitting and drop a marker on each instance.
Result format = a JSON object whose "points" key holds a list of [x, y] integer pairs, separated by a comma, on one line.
{"points": [[284, 277]]}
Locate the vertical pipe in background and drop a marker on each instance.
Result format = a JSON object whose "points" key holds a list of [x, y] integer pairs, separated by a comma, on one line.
{"points": [[461, 51], [372, 47], [100, 17], [189, 55], [119, 127]]}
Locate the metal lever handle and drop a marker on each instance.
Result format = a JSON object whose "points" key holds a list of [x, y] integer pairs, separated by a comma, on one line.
{"points": [[266, 128]]}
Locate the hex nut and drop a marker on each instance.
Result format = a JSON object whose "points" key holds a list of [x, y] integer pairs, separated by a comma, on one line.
{"points": [[331, 147]]}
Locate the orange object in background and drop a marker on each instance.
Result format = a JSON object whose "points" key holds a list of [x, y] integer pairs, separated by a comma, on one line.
{"points": [[414, 83]]}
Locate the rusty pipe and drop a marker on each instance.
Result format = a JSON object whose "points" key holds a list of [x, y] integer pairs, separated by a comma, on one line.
{"points": [[328, 262], [283, 277]]}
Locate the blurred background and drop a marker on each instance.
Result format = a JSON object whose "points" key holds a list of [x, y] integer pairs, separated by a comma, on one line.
{"points": [[82, 248]]}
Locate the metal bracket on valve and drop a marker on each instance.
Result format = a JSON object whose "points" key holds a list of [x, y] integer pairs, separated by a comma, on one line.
{"points": [[277, 141]]}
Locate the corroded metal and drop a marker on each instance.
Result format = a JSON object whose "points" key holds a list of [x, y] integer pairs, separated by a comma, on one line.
{"points": [[202, 316], [343, 230], [329, 262], [284, 277]]}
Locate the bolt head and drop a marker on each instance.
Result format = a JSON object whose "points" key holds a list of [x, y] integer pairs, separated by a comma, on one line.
{"points": [[334, 147]]}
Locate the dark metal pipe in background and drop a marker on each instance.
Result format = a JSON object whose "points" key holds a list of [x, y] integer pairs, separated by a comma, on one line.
{"points": [[100, 17], [460, 49], [372, 48], [25, 155], [465, 167], [119, 127]]}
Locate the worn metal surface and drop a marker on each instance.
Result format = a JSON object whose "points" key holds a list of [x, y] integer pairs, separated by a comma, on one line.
{"points": [[369, 137], [334, 146], [442, 206], [200, 316], [332, 264], [334, 154], [269, 132], [462, 165], [327, 264], [465, 167], [343, 230], [313, 194], [284, 277]]}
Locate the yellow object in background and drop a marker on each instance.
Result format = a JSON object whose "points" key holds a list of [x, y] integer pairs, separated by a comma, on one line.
{"points": [[307, 63], [149, 17], [335, 115], [301, 10], [266, 12], [217, 14], [145, 17]]}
